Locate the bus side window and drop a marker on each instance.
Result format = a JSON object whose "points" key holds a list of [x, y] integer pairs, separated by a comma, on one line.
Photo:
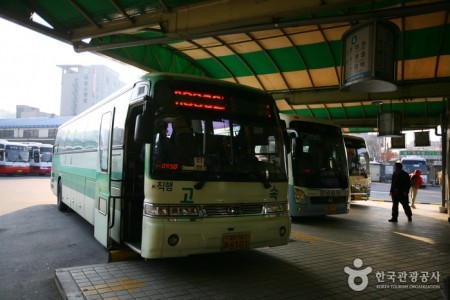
{"points": [[104, 140], [119, 119], [78, 137], [91, 136], [56, 143], [68, 142]]}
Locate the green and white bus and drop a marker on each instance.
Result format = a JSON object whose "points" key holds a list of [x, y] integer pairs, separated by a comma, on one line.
{"points": [[317, 168], [177, 165]]}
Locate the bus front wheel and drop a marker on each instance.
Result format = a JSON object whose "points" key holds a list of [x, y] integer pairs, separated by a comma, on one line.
{"points": [[60, 204]]}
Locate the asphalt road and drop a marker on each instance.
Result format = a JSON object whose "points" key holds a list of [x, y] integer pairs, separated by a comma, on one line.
{"points": [[36, 239], [429, 195]]}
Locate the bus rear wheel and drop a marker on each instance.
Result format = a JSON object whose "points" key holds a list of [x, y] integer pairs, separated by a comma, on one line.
{"points": [[60, 204]]}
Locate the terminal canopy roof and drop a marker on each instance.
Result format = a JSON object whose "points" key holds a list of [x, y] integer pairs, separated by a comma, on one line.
{"points": [[290, 48]]}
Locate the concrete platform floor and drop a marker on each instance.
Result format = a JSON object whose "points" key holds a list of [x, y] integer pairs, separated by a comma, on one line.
{"points": [[354, 256]]}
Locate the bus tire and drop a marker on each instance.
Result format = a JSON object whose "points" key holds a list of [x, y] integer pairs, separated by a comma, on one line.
{"points": [[60, 204]]}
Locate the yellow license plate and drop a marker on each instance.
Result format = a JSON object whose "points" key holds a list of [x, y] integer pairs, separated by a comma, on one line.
{"points": [[330, 209], [357, 197], [19, 171], [235, 242]]}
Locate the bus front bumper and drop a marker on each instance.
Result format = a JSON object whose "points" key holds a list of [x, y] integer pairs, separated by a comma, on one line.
{"points": [[183, 237]]}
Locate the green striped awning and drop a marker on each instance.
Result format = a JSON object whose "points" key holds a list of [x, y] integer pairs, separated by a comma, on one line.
{"points": [[292, 49]]}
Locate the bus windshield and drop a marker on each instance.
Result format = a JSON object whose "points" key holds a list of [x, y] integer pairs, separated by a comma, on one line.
{"points": [[410, 165], [16, 153], [358, 160], [319, 159], [46, 154], [217, 149], [359, 167]]}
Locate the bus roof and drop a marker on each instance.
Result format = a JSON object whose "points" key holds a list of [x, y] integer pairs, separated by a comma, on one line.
{"points": [[6, 142], [354, 141], [160, 75], [292, 117], [413, 159], [37, 144], [196, 78], [353, 137]]}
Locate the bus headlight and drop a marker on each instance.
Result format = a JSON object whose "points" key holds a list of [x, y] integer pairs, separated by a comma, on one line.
{"points": [[299, 196], [274, 208], [183, 211], [155, 210], [151, 210]]}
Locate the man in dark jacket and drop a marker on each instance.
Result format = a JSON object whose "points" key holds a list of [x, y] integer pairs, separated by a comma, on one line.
{"points": [[400, 185]]}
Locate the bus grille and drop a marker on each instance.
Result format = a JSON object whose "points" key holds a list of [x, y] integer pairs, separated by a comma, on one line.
{"points": [[329, 200], [232, 210]]}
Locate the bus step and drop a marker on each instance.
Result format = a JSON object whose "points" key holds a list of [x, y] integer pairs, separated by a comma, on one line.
{"points": [[135, 246], [123, 255]]}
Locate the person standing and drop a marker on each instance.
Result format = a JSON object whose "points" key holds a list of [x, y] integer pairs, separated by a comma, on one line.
{"points": [[400, 186], [439, 177], [416, 183]]}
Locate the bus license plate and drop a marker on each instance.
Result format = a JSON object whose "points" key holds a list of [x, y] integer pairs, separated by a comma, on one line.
{"points": [[358, 197], [330, 209], [19, 171], [235, 242]]}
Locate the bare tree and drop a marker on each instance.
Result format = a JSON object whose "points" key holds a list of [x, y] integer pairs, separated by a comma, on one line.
{"points": [[374, 145]]}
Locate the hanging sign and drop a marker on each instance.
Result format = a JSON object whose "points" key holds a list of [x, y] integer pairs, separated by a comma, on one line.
{"points": [[390, 124], [368, 63]]}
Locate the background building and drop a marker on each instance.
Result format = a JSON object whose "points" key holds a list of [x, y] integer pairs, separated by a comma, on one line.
{"points": [[42, 130], [81, 88], [84, 86], [25, 111]]}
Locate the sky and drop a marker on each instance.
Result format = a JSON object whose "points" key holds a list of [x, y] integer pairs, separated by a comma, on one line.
{"points": [[28, 68]]}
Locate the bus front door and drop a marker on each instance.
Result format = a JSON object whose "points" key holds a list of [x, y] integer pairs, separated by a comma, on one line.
{"points": [[107, 201]]}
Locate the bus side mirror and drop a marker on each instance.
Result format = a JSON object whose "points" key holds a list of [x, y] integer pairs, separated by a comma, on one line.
{"points": [[293, 134], [143, 130], [287, 141], [289, 135]]}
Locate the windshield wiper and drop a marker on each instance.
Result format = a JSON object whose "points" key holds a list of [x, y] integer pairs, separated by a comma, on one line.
{"points": [[199, 185], [266, 183], [343, 180], [263, 178]]}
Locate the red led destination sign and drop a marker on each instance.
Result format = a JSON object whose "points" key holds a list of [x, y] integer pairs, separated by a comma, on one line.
{"points": [[198, 100]]}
